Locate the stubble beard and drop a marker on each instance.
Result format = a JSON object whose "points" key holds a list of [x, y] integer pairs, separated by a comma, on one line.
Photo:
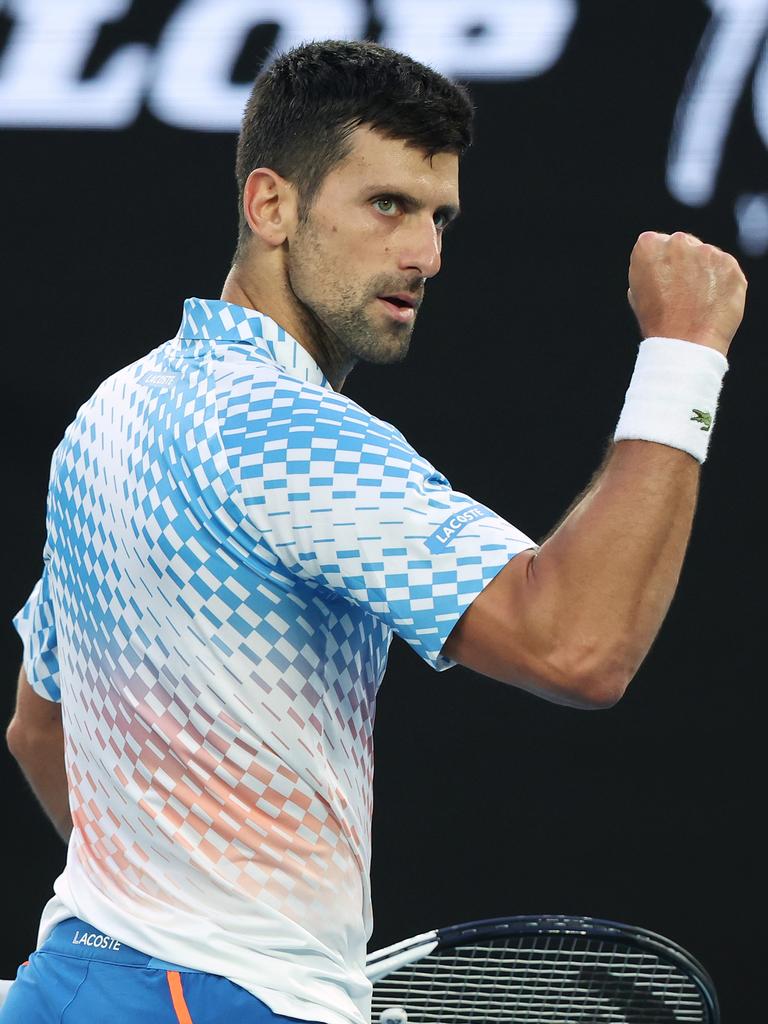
{"points": [[341, 317], [351, 324]]}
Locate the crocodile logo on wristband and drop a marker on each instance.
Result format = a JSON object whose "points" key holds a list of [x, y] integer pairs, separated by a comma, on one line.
{"points": [[705, 418]]}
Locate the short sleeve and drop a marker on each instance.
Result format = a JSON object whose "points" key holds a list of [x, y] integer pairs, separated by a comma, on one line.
{"points": [[342, 499], [36, 625]]}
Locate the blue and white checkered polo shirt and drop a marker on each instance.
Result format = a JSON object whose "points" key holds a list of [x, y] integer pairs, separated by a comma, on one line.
{"points": [[231, 545]]}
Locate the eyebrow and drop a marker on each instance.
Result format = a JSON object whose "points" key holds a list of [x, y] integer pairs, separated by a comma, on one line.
{"points": [[409, 202]]}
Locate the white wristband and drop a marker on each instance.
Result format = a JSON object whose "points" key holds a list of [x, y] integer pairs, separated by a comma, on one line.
{"points": [[672, 397]]}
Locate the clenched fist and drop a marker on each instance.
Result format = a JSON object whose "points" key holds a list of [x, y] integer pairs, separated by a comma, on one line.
{"points": [[680, 287]]}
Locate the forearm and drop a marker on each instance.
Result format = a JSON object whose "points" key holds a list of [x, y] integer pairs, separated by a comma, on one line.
{"points": [[41, 759], [35, 737], [601, 584]]}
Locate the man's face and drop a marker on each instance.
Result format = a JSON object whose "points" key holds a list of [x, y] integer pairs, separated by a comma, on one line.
{"points": [[373, 235]]}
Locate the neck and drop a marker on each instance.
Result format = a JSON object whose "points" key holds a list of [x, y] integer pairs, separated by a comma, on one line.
{"points": [[276, 299]]}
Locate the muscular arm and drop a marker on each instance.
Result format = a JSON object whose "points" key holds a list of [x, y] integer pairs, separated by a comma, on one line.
{"points": [[574, 621], [36, 739]]}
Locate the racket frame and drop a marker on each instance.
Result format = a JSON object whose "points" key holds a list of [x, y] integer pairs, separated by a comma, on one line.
{"points": [[382, 962]]}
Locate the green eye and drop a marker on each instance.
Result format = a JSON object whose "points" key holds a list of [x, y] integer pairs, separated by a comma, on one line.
{"points": [[385, 206]]}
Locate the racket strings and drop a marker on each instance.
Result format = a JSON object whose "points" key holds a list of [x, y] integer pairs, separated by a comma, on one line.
{"points": [[557, 979]]}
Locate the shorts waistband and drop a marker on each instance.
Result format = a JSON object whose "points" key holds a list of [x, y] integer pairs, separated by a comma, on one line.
{"points": [[74, 937]]}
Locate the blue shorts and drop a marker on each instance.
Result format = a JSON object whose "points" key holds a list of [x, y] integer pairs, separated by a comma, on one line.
{"points": [[82, 976]]}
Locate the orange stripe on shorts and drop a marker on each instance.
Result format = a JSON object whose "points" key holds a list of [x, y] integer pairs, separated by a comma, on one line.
{"points": [[177, 997]]}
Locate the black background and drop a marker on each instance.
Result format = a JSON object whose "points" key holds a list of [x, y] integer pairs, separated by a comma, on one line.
{"points": [[488, 801]]}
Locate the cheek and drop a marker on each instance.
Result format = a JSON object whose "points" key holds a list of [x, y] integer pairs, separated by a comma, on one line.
{"points": [[337, 258], [310, 258], [322, 270]]}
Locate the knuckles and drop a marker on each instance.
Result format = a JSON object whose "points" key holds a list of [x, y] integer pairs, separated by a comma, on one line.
{"points": [[681, 286], [679, 247]]}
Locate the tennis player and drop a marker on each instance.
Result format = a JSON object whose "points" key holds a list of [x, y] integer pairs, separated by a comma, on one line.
{"points": [[232, 543]]}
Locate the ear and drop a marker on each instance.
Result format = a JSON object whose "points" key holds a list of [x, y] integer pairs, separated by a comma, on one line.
{"points": [[269, 205]]}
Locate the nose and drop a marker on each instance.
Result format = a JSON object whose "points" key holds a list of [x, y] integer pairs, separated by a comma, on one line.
{"points": [[422, 248]]}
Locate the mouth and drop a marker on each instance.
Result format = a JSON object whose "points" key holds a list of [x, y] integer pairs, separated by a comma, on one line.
{"points": [[401, 307]]}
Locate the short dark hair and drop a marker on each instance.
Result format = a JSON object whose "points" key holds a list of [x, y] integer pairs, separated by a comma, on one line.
{"points": [[304, 106]]}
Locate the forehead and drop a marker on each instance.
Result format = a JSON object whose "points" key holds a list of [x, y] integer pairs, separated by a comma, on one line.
{"points": [[377, 161]]}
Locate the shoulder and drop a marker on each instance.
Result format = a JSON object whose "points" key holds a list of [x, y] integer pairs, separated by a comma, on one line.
{"points": [[283, 402], [293, 425]]}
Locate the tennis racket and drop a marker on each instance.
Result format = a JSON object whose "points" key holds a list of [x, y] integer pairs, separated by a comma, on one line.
{"points": [[539, 970]]}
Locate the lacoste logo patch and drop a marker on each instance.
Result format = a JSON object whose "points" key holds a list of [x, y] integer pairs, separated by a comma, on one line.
{"points": [[159, 380], [704, 418], [451, 527], [96, 940]]}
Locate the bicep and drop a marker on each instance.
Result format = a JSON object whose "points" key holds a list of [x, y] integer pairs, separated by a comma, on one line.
{"points": [[485, 637], [505, 634]]}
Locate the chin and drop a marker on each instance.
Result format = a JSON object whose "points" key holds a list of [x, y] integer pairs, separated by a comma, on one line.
{"points": [[391, 350], [378, 343]]}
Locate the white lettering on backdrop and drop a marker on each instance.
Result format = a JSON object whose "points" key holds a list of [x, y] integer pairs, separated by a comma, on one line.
{"points": [[43, 60], [187, 79], [733, 44]]}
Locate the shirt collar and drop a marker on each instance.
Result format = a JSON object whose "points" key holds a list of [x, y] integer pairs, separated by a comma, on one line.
{"points": [[216, 320]]}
